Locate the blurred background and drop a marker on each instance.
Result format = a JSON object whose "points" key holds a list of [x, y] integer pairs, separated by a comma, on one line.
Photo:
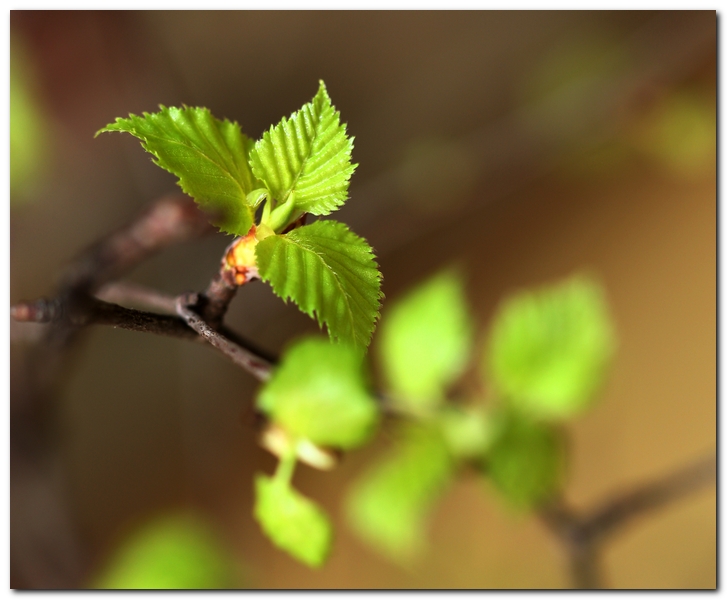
{"points": [[523, 146]]}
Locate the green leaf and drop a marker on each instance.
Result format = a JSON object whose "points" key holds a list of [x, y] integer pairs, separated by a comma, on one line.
{"points": [[426, 341], [177, 551], [549, 350], [389, 505], [468, 430], [527, 461], [293, 522], [309, 156], [330, 273], [30, 134], [319, 393], [209, 156]]}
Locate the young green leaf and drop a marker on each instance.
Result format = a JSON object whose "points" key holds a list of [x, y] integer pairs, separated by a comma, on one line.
{"points": [[389, 505], [319, 393], [468, 430], [177, 551], [293, 522], [308, 156], [527, 461], [209, 156], [426, 341], [329, 272], [549, 350]]}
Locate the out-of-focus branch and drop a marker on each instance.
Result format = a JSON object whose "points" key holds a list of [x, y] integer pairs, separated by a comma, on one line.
{"points": [[169, 220], [46, 549], [620, 510], [583, 534]]}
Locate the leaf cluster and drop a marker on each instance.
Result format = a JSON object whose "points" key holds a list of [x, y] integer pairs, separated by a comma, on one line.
{"points": [[543, 363], [300, 166]]}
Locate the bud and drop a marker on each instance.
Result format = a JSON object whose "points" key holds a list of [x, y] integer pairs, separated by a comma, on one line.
{"points": [[239, 265]]}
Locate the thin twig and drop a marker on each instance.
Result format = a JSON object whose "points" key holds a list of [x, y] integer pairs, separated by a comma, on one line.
{"points": [[623, 508], [47, 550], [94, 311], [216, 299], [213, 303], [122, 292], [252, 363], [583, 534]]}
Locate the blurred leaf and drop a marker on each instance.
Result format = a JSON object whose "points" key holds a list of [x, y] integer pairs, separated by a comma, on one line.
{"points": [[319, 393], [681, 133], [294, 523], [468, 431], [389, 505], [426, 340], [549, 349], [330, 273], [29, 141], [307, 156], [563, 90], [209, 156], [173, 552], [526, 462]]}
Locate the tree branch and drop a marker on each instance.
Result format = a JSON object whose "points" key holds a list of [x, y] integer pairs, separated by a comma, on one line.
{"points": [[47, 550], [623, 508], [251, 362], [87, 295], [93, 311], [583, 534]]}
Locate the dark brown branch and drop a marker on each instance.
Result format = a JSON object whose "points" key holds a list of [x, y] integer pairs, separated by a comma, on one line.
{"points": [[215, 300], [123, 293], [252, 363], [170, 220], [47, 550], [103, 313], [583, 534], [41, 310], [237, 267], [623, 508], [93, 311]]}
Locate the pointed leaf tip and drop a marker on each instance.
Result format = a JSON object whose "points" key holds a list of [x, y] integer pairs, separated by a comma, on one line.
{"points": [[209, 156], [308, 156]]}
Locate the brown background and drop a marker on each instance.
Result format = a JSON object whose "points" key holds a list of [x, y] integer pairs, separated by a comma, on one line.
{"points": [[549, 166]]}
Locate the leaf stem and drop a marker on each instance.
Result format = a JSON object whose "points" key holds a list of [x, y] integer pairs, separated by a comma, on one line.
{"points": [[279, 218], [286, 466]]}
